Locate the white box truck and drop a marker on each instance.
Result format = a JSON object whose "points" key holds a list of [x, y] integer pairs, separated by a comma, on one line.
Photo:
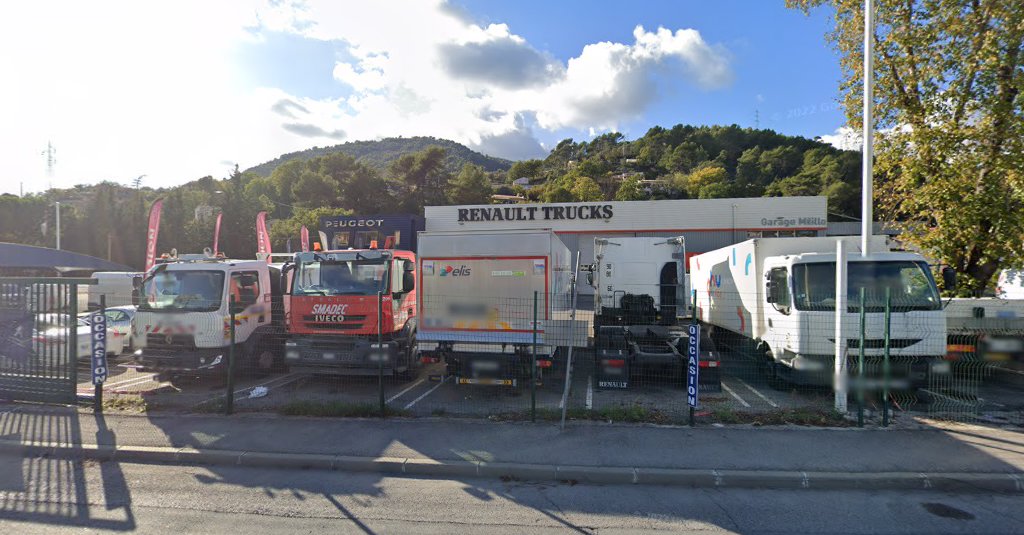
{"points": [[117, 286], [476, 302], [778, 295]]}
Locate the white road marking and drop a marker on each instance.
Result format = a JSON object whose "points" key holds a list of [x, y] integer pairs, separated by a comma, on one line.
{"points": [[289, 376], [427, 393], [756, 393], [403, 392], [733, 394], [143, 380], [590, 392]]}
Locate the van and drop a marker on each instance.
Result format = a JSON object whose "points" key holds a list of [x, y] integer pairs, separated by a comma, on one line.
{"points": [[116, 285]]}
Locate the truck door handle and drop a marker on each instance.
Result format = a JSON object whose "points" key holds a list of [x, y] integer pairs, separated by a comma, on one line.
{"points": [[769, 322]]}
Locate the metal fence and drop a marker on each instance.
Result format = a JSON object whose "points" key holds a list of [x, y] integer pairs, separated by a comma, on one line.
{"points": [[540, 358]]}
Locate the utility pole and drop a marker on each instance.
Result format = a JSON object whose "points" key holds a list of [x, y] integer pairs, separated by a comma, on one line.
{"points": [[867, 218]]}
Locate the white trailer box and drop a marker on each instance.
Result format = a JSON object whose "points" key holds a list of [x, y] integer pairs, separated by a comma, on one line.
{"points": [[479, 286], [117, 286], [651, 266], [779, 294]]}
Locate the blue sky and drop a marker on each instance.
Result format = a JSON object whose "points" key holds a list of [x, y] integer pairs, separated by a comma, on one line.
{"points": [[126, 88]]}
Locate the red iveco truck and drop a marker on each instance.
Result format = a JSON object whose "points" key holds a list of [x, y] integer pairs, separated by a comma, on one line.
{"points": [[331, 312]]}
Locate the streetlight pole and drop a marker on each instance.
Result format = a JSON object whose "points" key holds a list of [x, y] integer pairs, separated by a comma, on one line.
{"points": [[867, 218], [57, 204]]}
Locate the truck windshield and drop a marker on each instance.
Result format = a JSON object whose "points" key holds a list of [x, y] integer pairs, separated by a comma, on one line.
{"points": [[191, 290], [339, 277], [910, 285]]}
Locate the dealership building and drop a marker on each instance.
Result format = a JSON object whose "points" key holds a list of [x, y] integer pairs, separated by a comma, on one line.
{"points": [[706, 224]]}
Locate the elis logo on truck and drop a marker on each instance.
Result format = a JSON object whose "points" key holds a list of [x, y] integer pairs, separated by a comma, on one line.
{"points": [[461, 271]]}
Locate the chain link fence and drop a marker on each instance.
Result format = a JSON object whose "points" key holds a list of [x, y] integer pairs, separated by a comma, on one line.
{"points": [[542, 358]]}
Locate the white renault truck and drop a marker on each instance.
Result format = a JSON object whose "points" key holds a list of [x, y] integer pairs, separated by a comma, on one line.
{"points": [[640, 311], [776, 296], [182, 327]]}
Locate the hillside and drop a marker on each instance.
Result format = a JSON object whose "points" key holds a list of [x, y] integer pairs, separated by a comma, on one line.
{"points": [[380, 154]]}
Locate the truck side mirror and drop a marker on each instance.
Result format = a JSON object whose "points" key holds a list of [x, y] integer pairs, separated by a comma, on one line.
{"points": [[408, 281], [948, 278], [590, 278]]}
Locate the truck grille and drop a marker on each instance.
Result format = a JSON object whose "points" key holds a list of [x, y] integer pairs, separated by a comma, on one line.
{"points": [[170, 341]]}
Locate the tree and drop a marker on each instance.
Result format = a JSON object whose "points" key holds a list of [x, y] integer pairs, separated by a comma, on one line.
{"points": [[471, 186], [425, 175], [314, 189], [630, 190], [525, 169], [950, 122], [585, 189], [707, 182]]}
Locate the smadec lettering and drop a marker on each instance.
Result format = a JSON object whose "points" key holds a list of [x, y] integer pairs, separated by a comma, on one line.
{"points": [[533, 213]]}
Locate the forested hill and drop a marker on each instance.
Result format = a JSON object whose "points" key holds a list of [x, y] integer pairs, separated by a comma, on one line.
{"points": [[380, 154]]}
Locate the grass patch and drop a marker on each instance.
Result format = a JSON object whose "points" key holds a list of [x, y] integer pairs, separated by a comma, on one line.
{"points": [[125, 404], [211, 406], [799, 416], [439, 411], [337, 409]]}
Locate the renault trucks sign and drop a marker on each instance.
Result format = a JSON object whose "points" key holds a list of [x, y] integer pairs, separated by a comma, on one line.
{"points": [[537, 213]]}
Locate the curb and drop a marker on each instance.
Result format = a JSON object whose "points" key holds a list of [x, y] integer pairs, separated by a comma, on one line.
{"points": [[999, 482]]}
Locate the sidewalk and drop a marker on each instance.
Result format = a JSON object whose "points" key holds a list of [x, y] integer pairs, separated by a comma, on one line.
{"points": [[586, 450]]}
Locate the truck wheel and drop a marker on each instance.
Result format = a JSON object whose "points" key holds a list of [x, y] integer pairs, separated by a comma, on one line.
{"points": [[772, 371]]}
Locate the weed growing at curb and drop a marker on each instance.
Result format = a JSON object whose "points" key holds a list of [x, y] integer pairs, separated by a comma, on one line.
{"points": [[121, 403]]}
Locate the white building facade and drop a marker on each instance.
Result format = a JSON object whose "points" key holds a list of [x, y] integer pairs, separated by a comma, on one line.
{"points": [[706, 224]]}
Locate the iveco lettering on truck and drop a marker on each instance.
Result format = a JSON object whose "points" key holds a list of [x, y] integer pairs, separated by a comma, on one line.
{"points": [[182, 327], [332, 312], [779, 296]]}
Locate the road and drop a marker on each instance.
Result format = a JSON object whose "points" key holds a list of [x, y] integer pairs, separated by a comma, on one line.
{"points": [[51, 496]]}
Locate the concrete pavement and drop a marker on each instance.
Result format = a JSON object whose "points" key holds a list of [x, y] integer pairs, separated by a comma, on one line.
{"points": [[951, 457]]}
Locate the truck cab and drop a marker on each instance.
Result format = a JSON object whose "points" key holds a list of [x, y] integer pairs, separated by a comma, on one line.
{"points": [[185, 304], [799, 316], [334, 323]]}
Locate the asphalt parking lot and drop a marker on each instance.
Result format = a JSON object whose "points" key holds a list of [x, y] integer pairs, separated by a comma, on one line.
{"points": [[996, 396]]}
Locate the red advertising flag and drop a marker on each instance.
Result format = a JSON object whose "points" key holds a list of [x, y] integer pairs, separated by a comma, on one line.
{"points": [[305, 239], [152, 232], [216, 232], [262, 236]]}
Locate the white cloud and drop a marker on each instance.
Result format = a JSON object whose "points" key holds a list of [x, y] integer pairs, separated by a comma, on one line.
{"points": [[844, 138], [125, 88]]}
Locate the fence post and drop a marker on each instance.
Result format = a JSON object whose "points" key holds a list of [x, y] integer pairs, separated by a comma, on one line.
{"points": [[97, 398], [229, 401], [72, 340], [840, 376], [572, 341], [533, 365], [860, 364], [885, 359], [380, 349]]}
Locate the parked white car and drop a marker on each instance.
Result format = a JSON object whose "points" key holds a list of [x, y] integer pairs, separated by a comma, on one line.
{"points": [[51, 335], [119, 320]]}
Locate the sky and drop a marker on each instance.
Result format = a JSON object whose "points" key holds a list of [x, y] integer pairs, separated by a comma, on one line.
{"points": [[174, 91]]}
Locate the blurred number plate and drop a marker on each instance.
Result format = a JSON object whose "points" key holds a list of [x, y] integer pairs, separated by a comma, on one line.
{"points": [[492, 382]]}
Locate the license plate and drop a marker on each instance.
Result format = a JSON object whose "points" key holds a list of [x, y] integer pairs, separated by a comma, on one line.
{"points": [[489, 382], [485, 365], [330, 356]]}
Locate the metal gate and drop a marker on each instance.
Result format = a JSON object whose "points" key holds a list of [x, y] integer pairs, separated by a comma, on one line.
{"points": [[39, 338]]}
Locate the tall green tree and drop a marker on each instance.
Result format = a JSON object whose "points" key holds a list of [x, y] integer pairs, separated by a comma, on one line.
{"points": [[950, 121], [471, 186], [630, 190]]}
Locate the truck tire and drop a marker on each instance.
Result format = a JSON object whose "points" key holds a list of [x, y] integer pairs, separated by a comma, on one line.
{"points": [[773, 371]]}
